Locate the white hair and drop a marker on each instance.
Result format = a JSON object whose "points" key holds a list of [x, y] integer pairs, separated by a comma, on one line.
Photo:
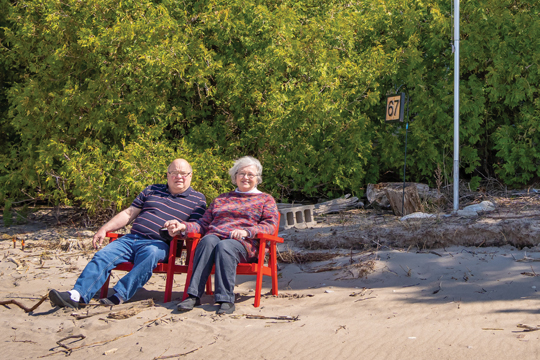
{"points": [[242, 163]]}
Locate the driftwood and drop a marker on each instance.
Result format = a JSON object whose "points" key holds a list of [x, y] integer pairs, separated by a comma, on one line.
{"points": [[377, 197], [68, 350], [16, 262], [403, 202], [150, 322], [61, 344], [528, 328], [337, 205], [262, 317], [26, 310], [126, 313]]}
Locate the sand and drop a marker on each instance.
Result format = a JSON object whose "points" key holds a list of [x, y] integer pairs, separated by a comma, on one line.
{"points": [[453, 303]]}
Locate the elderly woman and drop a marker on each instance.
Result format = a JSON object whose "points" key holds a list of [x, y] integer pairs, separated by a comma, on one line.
{"points": [[229, 227]]}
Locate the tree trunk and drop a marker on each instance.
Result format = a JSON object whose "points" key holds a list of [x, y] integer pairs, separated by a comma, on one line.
{"points": [[411, 199]]}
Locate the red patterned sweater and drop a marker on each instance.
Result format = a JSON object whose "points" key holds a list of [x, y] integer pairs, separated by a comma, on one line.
{"points": [[254, 212]]}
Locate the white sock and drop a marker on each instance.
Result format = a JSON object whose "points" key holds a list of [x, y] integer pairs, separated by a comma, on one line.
{"points": [[74, 295]]}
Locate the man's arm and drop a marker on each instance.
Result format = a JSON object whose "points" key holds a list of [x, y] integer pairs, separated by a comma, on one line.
{"points": [[117, 222]]}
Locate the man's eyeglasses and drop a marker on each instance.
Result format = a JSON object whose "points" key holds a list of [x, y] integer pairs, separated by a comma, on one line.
{"points": [[177, 173], [249, 176]]}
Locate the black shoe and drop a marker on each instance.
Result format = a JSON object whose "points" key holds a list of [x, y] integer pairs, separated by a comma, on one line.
{"points": [[225, 308], [189, 303], [62, 299], [110, 301]]}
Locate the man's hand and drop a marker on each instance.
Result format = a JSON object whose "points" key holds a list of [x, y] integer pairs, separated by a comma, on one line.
{"points": [[120, 220], [98, 238], [174, 227], [239, 234]]}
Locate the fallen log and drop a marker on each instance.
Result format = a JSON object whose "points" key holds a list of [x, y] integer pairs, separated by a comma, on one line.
{"points": [[337, 205]]}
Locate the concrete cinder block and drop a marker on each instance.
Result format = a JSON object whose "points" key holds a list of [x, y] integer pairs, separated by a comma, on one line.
{"points": [[299, 217]]}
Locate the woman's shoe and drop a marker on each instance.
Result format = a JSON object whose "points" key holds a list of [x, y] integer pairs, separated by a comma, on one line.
{"points": [[189, 303], [225, 308]]}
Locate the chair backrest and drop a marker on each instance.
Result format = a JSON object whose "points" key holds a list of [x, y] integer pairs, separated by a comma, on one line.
{"points": [[278, 222]]}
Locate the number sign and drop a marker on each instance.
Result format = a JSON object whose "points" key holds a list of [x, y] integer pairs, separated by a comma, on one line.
{"points": [[394, 107]]}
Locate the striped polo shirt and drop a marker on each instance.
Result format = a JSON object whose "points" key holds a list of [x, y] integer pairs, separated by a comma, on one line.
{"points": [[158, 205]]}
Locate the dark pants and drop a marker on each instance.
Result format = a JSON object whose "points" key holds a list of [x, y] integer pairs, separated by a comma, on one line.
{"points": [[225, 254]]}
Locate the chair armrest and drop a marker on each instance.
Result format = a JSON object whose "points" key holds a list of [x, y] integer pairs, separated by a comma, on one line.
{"points": [[193, 236], [113, 236], [269, 238]]}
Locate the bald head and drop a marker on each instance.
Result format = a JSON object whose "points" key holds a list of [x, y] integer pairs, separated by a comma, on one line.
{"points": [[179, 163], [179, 174]]}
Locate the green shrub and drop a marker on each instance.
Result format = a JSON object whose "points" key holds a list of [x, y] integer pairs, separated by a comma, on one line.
{"points": [[102, 94]]}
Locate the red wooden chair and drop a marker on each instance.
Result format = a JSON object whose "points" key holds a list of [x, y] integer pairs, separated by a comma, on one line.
{"points": [[259, 268], [169, 267]]}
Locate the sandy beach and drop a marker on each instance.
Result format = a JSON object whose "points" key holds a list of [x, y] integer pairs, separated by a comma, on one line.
{"points": [[380, 303], [465, 303]]}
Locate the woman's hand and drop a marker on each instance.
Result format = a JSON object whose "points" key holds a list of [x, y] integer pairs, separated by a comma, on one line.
{"points": [[174, 227], [239, 234]]}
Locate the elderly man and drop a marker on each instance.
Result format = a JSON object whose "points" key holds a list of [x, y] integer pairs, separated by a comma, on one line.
{"points": [[144, 247]]}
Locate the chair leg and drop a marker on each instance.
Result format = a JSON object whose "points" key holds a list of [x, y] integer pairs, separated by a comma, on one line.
{"points": [[169, 284], [105, 288], [258, 286], [273, 269], [170, 271], [260, 267]]}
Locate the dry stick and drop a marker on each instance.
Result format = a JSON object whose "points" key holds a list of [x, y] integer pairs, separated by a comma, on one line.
{"points": [[373, 297], [24, 341], [80, 317], [525, 259], [511, 217], [59, 342], [184, 354], [24, 297], [82, 346], [528, 328], [410, 285], [27, 310], [261, 317], [406, 272], [148, 323]]}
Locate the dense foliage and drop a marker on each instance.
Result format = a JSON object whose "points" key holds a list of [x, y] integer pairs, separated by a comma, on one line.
{"points": [[97, 96]]}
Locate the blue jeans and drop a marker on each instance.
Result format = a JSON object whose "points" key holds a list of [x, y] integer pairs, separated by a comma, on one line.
{"points": [[144, 253], [225, 254]]}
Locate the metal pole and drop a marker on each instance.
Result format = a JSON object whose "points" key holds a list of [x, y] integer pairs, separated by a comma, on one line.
{"points": [[404, 170], [405, 162], [456, 105]]}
